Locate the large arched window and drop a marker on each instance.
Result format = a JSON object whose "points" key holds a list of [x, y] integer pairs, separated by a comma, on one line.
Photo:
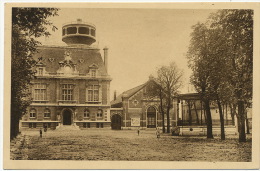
{"points": [[86, 113], [32, 113], [47, 113], [151, 117]]}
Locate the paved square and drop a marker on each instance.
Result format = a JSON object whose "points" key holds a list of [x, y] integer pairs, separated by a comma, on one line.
{"points": [[102, 144]]}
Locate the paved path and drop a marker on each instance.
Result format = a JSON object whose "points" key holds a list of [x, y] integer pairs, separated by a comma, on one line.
{"points": [[101, 144]]}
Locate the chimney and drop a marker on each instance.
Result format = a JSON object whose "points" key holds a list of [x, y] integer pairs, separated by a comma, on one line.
{"points": [[105, 57], [115, 95]]}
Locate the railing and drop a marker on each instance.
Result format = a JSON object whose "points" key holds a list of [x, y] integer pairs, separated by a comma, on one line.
{"points": [[76, 22]]}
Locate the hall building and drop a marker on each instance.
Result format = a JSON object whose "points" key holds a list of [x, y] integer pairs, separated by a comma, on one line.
{"points": [[135, 108], [71, 84]]}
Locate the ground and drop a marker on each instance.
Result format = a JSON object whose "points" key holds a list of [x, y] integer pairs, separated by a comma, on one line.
{"points": [[102, 144]]}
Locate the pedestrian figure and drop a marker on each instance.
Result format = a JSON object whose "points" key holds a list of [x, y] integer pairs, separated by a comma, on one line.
{"points": [[138, 131], [41, 133], [158, 132]]}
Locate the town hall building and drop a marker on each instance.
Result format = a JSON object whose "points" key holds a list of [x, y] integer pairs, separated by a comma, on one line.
{"points": [[71, 85]]}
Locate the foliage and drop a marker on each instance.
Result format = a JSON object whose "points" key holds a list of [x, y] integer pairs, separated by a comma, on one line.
{"points": [[221, 57], [28, 24], [170, 80]]}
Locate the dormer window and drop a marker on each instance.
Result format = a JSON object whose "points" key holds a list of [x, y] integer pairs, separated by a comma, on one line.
{"points": [[93, 73], [40, 71], [93, 70]]}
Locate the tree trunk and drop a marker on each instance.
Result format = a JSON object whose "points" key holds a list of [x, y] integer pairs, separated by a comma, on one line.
{"points": [[168, 114], [209, 120], [14, 131], [232, 114], [241, 119], [247, 124], [161, 105], [221, 121]]}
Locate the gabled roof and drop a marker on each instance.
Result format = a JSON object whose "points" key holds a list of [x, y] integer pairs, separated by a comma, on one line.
{"points": [[127, 94]]}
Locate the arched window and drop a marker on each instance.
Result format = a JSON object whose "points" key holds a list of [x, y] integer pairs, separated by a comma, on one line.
{"points": [[151, 117], [47, 113], [86, 113], [32, 113], [100, 113]]}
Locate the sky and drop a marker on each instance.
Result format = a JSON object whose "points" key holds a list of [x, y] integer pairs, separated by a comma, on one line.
{"points": [[139, 40]]}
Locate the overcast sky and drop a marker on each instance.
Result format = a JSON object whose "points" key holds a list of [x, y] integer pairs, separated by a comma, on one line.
{"points": [[139, 40]]}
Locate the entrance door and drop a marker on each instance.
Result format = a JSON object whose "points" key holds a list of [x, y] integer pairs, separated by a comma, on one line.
{"points": [[67, 117], [116, 122], [151, 117]]}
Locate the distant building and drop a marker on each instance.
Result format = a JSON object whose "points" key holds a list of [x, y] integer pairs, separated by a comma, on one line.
{"points": [[71, 85], [135, 108]]}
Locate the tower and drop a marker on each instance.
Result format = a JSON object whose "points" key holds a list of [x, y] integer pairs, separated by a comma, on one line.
{"points": [[78, 33]]}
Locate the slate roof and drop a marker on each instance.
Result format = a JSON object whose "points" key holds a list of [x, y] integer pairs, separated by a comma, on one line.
{"points": [[89, 55], [127, 94]]}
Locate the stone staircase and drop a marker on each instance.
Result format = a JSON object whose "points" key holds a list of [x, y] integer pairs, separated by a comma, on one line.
{"points": [[67, 128]]}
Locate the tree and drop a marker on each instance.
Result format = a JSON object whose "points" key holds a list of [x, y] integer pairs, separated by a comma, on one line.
{"points": [[221, 57], [28, 24], [169, 78], [237, 31], [155, 90], [197, 54]]}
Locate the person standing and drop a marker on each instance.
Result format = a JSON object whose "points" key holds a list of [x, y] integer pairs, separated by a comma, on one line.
{"points": [[158, 132], [40, 133], [138, 131]]}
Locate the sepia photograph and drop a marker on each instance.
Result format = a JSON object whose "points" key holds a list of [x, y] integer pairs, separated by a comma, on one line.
{"points": [[154, 86]]}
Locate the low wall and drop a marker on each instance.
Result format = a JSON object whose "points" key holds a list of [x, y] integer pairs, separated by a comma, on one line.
{"points": [[229, 130]]}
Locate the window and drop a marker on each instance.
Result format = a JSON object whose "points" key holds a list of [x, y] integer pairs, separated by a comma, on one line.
{"points": [[67, 90], [40, 92], [83, 30], [86, 113], [71, 30], [32, 125], [47, 125], [63, 32], [40, 71], [32, 113], [99, 113], [47, 113], [93, 73], [86, 125], [93, 32], [93, 93]]}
